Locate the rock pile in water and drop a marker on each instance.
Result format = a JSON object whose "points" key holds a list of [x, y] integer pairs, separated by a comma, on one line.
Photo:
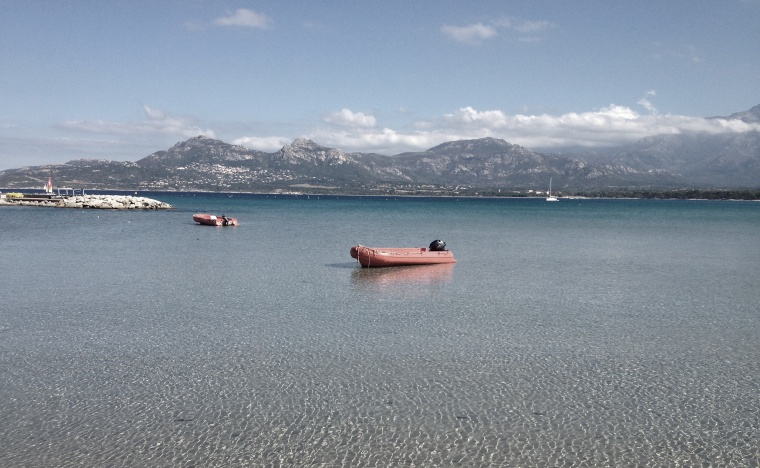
{"points": [[106, 202]]}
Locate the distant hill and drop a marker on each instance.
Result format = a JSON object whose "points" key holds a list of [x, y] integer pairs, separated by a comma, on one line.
{"points": [[200, 163], [490, 162], [727, 160], [724, 160]]}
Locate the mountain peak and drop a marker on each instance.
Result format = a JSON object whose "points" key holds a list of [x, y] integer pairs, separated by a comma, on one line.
{"points": [[479, 145], [748, 116], [304, 143], [200, 149], [195, 142], [304, 149]]}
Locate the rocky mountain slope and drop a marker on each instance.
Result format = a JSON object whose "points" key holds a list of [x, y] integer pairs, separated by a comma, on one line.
{"points": [[729, 160], [202, 163], [725, 160], [704, 160], [491, 162]]}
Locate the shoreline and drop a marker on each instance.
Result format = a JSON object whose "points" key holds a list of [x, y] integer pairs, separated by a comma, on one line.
{"points": [[675, 195]]}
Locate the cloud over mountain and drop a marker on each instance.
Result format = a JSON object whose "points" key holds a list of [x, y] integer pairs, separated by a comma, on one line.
{"points": [[608, 126], [358, 131]]}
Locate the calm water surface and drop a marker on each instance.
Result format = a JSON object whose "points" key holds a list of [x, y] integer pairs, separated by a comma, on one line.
{"points": [[578, 333]]}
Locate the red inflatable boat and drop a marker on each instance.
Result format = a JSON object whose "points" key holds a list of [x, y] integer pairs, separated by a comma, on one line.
{"points": [[398, 256], [213, 220]]}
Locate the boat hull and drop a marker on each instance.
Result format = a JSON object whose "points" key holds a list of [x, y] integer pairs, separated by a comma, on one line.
{"points": [[213, 220], [371, 257]]}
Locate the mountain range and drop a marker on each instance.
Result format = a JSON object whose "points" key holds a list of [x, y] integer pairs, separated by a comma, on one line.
{"points": [[685, 160]]}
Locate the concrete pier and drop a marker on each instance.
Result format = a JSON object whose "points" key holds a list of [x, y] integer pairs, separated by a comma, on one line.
{"points": [[103, 202]]}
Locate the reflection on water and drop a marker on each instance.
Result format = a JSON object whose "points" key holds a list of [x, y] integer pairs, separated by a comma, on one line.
{"points": [[409, 275]]}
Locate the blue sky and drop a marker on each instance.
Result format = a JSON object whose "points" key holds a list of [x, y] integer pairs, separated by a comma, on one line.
{"points": [[122, 79]]}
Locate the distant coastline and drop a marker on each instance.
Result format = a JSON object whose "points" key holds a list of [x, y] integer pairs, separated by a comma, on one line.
{"points": [[484, 167], [314, 190]]}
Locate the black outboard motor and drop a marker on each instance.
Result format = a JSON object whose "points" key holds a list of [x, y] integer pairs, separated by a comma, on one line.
{"points": [[437, 246]]}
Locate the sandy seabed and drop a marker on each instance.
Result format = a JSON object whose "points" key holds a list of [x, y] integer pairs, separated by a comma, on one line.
{"points": [[346, 410]]}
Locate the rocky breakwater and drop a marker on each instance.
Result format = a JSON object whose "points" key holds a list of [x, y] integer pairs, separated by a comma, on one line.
{"points": [[103, 202]]}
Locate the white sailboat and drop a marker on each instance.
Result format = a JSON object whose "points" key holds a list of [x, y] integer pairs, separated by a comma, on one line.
{"points": [[549, 196]]}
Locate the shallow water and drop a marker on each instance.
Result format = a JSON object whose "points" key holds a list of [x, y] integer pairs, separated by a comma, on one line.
{"points": [[578, 333]]}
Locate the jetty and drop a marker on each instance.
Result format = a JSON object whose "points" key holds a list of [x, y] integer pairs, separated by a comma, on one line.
{"points": [[103, 202]]}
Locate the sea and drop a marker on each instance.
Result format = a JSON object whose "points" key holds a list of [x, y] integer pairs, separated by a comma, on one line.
{"points": [[587, 332]]}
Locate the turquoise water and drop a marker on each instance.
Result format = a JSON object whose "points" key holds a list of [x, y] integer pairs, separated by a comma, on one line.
{"points": [[578, 333]]}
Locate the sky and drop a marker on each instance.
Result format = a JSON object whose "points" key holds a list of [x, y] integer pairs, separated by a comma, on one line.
{"points": [[121, 79]]}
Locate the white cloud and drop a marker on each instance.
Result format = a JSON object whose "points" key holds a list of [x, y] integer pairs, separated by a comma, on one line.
{"points": [[347, 118], [467, 116], [245, 18], [527, 30], [534, 26], [268, 144], [350, 131], [385, 141], [470, 34], [608, 126], [158, 122], [646, 103]]}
